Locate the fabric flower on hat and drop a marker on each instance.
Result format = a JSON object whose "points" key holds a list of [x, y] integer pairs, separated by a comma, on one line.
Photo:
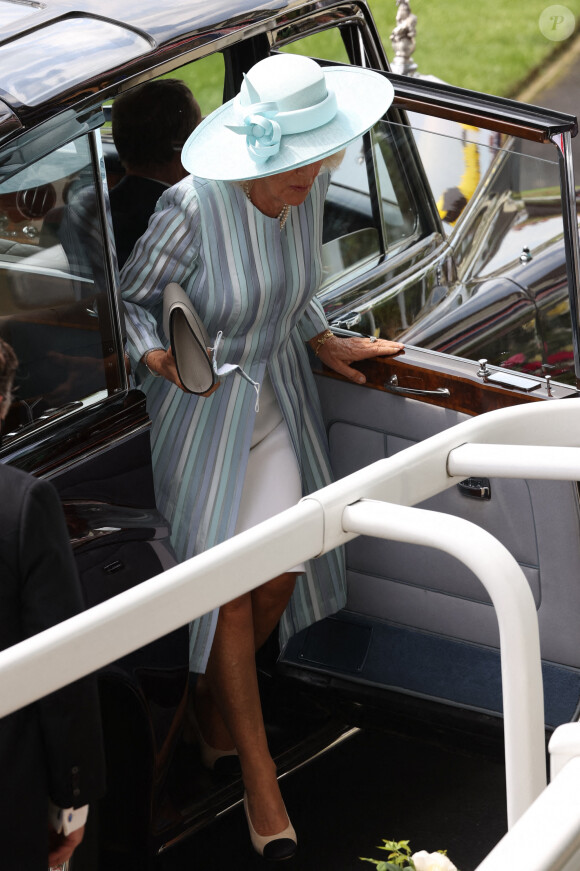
{"points": [[263, 134]]}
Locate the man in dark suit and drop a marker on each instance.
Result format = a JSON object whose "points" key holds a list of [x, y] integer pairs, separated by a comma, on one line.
{"points": [[150, 124], [51, 756]]}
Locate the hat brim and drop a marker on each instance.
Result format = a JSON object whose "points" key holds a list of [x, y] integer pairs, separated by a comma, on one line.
{"points": [[213, 151]]}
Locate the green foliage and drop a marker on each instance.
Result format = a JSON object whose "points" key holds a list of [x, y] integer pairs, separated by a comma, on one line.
{"points": [[389, 866], [205, 77], [495, 50], [399, 858]]}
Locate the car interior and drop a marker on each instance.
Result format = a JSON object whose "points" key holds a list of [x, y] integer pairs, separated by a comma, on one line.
{"points": [[382, 216], [441, 233]]}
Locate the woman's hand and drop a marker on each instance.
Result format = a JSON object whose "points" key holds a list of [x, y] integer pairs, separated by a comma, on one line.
{"points": [[337, 353], [163, 362]]}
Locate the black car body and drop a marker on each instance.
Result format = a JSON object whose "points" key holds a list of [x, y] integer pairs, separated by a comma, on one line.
{"points": [[500, 282]]}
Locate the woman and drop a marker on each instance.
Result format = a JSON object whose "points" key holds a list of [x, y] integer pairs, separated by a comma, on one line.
{"points": [[243, 238]]}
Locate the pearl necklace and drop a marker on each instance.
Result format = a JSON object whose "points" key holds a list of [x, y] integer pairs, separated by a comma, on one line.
{"points": [[282, 217]]}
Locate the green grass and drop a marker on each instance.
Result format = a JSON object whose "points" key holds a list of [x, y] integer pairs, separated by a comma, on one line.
{"points": [[494, 46], [205, 77]]}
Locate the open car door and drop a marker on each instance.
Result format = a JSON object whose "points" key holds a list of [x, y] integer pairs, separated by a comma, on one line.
{"points": [[452, 226]]}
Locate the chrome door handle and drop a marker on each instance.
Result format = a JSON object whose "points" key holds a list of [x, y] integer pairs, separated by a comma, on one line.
{"points": [[347, 321], [393, 385], [475, 488]]}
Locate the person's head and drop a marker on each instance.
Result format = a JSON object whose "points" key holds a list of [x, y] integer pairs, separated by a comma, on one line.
{"points": [[151, 122], [8, 367], [451, 204], [289, 113], [293, 186]]}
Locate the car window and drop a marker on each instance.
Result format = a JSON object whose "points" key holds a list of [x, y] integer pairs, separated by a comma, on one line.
{"points": [[327, 45], [502, 212], [455, 158], [368, 209], [494, 284], [205, 78], [327, 36], [54, 304]]}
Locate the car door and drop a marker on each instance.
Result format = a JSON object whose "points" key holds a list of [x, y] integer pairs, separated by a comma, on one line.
{"points": [[442, 231], [75, 420]]}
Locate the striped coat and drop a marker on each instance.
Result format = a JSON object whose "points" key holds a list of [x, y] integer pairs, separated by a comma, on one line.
{"points": [[257, 285]]}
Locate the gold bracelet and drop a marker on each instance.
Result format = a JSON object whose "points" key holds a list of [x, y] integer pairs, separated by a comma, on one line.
{"points": [[327, 334]]}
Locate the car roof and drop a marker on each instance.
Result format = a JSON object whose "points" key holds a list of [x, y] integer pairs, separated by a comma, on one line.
{"points": [[159, 21], [55, 54]]}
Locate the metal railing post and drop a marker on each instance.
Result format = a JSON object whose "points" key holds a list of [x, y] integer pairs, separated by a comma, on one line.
{"points": [[496, 568], [547, 836], [324, 520]]}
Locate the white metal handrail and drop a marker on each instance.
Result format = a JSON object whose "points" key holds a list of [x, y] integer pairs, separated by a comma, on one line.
{"points": [[509, 591], [547, 835], [319, 523], [515, 461]]}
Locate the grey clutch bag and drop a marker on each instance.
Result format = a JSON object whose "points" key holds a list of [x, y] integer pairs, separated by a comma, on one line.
{"points": [[189, 341]]}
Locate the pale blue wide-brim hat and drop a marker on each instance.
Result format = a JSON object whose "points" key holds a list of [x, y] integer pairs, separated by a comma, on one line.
{"points": [[290, 112]]}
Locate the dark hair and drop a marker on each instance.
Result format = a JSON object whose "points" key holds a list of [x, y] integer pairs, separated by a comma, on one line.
{"points": [[152, 120], [8, 367]]}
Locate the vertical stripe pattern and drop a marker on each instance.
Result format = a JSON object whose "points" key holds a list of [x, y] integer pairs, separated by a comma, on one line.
{"points": [[256, 284]]}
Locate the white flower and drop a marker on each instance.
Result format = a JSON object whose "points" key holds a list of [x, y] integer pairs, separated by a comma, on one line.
{"points": [[425, 861]]}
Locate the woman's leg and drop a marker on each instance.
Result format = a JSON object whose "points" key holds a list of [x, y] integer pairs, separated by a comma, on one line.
{"points": [[268, 604], [231, 684]]}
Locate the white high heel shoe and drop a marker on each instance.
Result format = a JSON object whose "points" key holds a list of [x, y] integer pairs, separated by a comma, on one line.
{"points": [[225, 762], [273, 847], [219, 761]]}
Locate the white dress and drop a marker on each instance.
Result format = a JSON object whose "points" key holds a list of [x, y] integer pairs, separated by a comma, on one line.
{"points": [[271, 458]]}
